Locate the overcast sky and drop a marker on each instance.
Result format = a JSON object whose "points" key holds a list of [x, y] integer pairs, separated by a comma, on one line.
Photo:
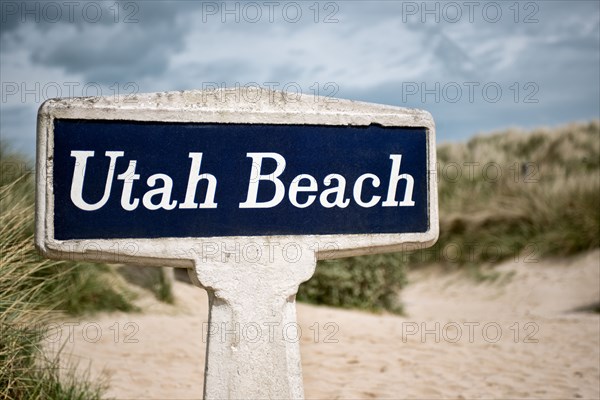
{"points": [[476, 66]]}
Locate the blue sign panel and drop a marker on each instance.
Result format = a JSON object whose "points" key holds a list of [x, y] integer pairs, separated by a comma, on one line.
{"points": [[128, 179]]}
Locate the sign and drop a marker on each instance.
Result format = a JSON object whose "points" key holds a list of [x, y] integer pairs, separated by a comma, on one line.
{"points": [[206, 180], [125, 179], [111, 174]]}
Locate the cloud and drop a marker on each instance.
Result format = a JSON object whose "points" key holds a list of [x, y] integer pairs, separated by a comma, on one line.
{"points": [[371, 51], [105, 55], [47, 15], [130, 41]]}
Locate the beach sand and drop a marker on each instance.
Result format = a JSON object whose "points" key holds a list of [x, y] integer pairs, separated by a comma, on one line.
{"points": [[529, 334]]}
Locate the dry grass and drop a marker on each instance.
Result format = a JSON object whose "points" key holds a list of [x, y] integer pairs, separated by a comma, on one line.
{"points": [[513, 194], [530, 194], [33, 290]]}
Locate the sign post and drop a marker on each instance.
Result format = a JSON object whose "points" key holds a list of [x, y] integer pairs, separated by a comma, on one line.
{"points": [[247, 188]]}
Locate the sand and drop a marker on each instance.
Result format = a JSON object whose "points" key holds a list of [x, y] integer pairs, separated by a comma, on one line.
{"points": [[527, 335]]}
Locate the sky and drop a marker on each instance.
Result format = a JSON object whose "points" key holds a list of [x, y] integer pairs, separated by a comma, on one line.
{"points": [[477, 66]]}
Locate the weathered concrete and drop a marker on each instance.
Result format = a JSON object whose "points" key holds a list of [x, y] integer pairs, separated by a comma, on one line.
{"points": [[253, 339], [244, 105]]}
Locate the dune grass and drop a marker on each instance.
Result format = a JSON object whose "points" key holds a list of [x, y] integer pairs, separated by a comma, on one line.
{"points": [[525, 196], [509, 195], [33, 290]]}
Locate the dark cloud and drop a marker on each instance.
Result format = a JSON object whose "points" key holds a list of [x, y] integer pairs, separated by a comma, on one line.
{"points": [[128, 42], [373, 49], [129, 53], [51, 14]]}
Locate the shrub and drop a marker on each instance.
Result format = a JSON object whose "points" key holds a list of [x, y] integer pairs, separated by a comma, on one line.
{"points": [[367, 282]]}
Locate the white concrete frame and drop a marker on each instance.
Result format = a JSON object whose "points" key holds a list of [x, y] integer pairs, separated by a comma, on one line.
{"points": [[242, 105]]}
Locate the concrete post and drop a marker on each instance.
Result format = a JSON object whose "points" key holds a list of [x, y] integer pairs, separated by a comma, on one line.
{"points": [[253, 339]]}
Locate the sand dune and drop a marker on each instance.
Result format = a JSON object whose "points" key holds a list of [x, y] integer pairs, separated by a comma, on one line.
{"points": [[527, 336]]}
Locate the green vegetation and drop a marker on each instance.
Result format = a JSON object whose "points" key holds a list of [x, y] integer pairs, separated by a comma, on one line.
{"points": [[32, 289], [26, 373], [366, 282], [27, 277], [529, 196], [507, 195]]}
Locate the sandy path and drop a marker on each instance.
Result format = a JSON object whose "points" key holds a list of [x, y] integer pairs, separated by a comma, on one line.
{"points": [[518, 339]]}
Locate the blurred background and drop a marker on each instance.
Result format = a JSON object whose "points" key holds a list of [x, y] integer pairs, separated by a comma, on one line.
{"points": [[514, 88], [476, 67]]}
